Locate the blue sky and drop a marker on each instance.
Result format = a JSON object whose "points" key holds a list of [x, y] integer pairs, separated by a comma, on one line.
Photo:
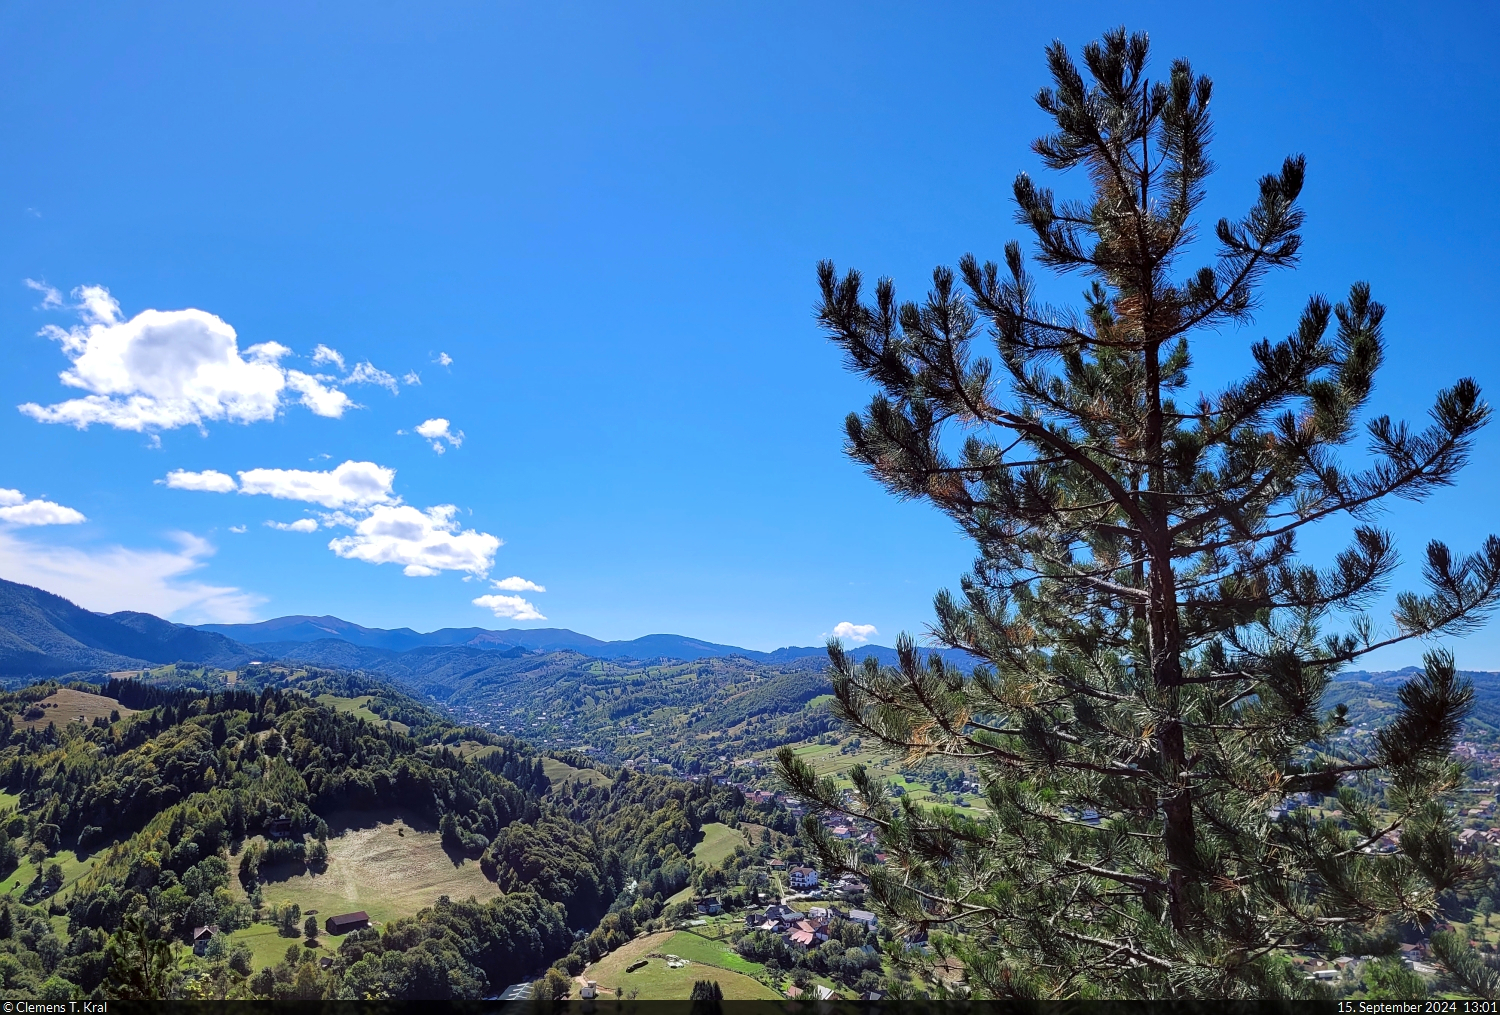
{"points": [[584, 236]]}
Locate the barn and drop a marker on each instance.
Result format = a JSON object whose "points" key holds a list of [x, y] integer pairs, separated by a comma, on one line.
{"points": [[346, 922]]}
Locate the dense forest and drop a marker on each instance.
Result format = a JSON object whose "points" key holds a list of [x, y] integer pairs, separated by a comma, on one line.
{"points": [[184, 790], [685, 714]]}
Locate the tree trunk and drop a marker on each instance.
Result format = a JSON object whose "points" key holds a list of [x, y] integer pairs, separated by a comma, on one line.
{"points": [[1179, 835]]}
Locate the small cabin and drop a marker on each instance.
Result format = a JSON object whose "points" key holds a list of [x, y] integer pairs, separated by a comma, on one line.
{"points": [[202, 936], [345, 922], [708, 904], [279, 828]]}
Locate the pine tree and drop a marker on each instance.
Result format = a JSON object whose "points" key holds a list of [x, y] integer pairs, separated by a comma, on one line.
{"points": [[143, 966], [1152, 649], [706, 990], [1464, 969]]}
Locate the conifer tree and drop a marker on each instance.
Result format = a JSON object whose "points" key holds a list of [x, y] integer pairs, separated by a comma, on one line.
{"points": [[1153, 652]]}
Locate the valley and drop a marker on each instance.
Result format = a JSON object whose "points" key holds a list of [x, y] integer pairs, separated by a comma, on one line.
{"points": [[623, 810]]}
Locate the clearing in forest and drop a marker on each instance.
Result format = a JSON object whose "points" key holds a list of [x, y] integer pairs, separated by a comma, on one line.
{"points": [[717, 843], [387, 864], [559, 772], [66, 705], [359, 707], [656, 981]]}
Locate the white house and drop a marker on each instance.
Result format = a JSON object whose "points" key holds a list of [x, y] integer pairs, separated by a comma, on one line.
{"points": [[804, 877]]}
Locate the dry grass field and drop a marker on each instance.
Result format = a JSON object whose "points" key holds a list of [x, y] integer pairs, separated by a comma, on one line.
{"points": [[388, 865], [66, 705]]}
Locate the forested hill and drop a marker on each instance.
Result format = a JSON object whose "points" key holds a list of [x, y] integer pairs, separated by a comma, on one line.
{"points": [[138, 812], [695, 716], [44, 635]]}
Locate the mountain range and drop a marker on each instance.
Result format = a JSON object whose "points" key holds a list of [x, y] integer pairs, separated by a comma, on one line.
{"points": [[545, 639], [42, 634], [45, 635]]}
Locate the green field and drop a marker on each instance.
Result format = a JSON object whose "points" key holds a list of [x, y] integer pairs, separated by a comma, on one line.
{"points": [[559, 772], [694, 946], [360, 707], [717, 843], [267, 947], [828, 760], [656, 982], [72, 868], [471, 750]]}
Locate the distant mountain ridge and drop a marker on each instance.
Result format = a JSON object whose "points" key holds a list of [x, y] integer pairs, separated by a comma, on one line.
{"points": [[285, 631], [42, 634]]}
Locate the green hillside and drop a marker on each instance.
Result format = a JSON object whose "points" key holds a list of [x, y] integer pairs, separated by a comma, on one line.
{"points": [[262, 801]]}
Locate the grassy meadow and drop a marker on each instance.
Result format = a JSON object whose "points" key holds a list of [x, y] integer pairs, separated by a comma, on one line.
{"points": [[360, 707], [388, 865], [657, 982], [559, 772], [829, 760], [72, 866], [717, 843], [66, 705]]}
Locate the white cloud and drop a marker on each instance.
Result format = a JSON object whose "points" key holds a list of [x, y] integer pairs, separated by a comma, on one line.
{"points": [[353, 484], [323, 401], [323, 354], [510, 607], [857, 633], [515, 583], [159, 370], [443, 360], [17, 510], [386, 531], [118, 578], [40, 512], [51, 298], [437, 431], [300, 525], [164, 369], [368, 373], [412, 377], [238, 530], [207, 481], [423, 542]]}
